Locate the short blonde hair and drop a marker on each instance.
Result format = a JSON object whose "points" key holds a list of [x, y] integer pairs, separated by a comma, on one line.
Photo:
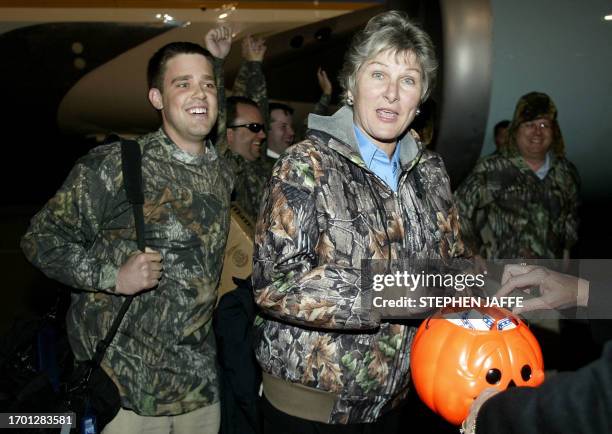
{"points": [[392, 30]]}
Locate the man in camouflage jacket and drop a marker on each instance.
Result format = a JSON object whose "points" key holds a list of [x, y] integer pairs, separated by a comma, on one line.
{"points": [[324, 213], [163, 358], [523, 201], [249, 174]]}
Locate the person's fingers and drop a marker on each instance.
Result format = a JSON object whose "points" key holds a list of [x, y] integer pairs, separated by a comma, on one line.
{"points": [[156, 266], [152, 255], [511, 270], [530, 278]]}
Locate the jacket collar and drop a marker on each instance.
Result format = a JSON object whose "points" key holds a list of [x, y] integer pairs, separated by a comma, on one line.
{"points": [[517, 160], [340, 127], [169, 148]]}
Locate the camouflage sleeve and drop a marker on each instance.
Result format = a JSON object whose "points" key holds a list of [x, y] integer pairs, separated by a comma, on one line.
{"points": [[289, 281], [60, 236], [468, 198], [249, 186], [451, 236], [573, 203], [251, 82], [220, 142]]}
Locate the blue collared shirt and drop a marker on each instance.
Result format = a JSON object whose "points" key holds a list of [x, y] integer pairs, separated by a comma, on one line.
{"points": [[377, 160], [543, 170]]}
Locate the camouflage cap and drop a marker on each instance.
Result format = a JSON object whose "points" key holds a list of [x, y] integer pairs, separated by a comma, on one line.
{"points": [[532, 106]]}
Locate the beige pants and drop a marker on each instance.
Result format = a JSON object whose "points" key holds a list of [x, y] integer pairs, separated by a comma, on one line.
{"points": [[204, 420]]}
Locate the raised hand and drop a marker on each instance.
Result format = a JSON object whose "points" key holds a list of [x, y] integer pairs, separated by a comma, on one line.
{"points": [[219, 41], [253, 49], [324, 83]]}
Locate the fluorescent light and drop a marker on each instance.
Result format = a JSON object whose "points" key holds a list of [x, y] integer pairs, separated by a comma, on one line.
{"points": [[608, 17]]}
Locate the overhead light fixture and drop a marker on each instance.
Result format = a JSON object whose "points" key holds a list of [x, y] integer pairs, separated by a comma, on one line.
{"points": [[165, 18], [226, 10], [608, 17]]}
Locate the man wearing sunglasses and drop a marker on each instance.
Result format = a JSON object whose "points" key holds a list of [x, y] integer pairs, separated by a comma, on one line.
{"points": [[245, 135], [245, 127]]}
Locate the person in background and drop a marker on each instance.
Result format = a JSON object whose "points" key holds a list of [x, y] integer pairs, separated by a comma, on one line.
{"points": [[523, 202], [245, 135], [500, 134], [163, 358], [359, 187], [280, 134], [244, 130]]}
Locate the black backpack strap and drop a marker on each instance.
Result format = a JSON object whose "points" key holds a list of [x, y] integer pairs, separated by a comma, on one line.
{"points": [[131, 167]]}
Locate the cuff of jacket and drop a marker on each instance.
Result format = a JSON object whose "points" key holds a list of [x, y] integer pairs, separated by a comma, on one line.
{"points": [[107, 278]]}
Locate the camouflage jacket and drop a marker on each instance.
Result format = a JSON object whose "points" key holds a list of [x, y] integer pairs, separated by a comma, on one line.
{"points": [[508, 212], [322, 214], [250, 179], [163, 358]]}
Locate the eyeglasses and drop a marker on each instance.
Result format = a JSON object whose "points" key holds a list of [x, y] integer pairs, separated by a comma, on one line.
{"points": [[254, 127], [539, 125]]}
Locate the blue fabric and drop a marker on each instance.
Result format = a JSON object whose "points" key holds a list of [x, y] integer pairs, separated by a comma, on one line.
{"points": [[378, 161], [543, 170]]}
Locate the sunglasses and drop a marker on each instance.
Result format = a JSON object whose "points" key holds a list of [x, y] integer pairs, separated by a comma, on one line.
{"points": [[254, 127]]}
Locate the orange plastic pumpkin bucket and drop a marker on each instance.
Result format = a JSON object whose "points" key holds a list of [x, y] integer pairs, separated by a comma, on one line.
{"points": [[457, 353]]}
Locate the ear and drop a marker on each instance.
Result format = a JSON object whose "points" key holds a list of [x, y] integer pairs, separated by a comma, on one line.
{"points": [[155, 98]]}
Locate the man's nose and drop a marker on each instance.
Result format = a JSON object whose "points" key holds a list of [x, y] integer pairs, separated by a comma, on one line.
{"points": [[199, 92]]}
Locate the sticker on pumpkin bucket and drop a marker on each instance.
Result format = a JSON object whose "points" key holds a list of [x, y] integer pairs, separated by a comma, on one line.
{"points": [[475, 320]]}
